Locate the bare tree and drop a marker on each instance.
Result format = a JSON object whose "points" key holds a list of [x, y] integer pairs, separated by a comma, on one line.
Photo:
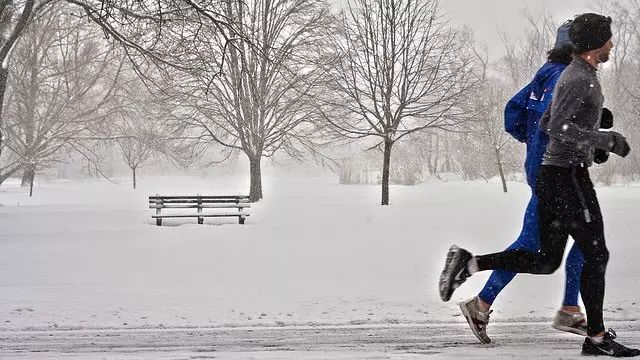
{"points": [[63, 80], [142, 127], [399, 70], [491, 126], [489, 104], [135, 152], [259, 104], [525, 54], [147, 31]]}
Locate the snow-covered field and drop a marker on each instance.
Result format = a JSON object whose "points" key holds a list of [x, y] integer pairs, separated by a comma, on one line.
{"points": [[88, 257]]}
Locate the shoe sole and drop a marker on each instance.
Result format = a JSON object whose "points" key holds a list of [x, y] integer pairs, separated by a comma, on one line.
{"points": [[446, 285], [586, 353], [467, 316], [590, 354], [569, 329]]}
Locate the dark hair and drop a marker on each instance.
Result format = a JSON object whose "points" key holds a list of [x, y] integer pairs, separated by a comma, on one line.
{"points": [[560, 54]]}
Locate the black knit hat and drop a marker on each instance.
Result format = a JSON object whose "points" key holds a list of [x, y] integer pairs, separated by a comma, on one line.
{"points": [[590, 31]]}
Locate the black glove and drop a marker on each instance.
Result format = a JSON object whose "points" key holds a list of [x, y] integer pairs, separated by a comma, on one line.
{"points": [[606, 119], [606, 122], [600, 156], [618, 144]]}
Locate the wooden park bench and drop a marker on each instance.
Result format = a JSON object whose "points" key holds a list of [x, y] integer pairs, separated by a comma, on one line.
{"points": [[199, 202]]}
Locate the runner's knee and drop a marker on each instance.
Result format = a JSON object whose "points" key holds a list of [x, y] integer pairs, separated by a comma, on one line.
{"points": [[598, 259], [550, 263]]}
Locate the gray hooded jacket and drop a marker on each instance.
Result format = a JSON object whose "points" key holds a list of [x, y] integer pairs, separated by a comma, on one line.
{"points": [[572, 121]]}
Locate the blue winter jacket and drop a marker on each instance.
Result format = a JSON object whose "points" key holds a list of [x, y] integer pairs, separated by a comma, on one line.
{"points": [[523, 112]]}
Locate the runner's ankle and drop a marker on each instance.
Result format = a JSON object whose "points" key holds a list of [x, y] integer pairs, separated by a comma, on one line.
{"points": [[484, 306], [571, 308]]}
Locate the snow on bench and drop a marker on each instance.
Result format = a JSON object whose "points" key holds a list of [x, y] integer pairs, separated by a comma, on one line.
{"points": [[199, 202]]}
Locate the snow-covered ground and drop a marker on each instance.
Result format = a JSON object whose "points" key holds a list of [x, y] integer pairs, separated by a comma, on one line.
{"points": [[87, 256], [521, 340]]}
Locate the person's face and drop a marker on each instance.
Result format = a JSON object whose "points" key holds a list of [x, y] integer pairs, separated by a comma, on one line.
{"points": [[605, 51]]}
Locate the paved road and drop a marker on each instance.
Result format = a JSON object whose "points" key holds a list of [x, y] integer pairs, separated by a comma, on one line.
{"points": [[433, 341]]}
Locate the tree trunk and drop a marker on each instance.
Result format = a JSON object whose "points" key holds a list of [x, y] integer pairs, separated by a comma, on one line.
{"points": [[255, 190], [27, 176], [31, 184], [436, 158], [345, 173], [386, 164], [4, 75], [134, 178], [501, 170]]}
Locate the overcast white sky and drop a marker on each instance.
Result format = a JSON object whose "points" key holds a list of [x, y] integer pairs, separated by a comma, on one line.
{"points": [[485, 17]]}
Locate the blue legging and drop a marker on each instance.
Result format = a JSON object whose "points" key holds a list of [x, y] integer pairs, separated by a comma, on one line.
{"points": [[529, 240]]}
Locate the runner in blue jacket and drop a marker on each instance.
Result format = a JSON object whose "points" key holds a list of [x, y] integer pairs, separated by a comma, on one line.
{"points": [[522, 115]]}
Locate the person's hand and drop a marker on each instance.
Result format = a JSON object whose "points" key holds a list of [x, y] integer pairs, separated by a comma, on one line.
{"points": [[618, 144], [600, 156], [606, 119]]}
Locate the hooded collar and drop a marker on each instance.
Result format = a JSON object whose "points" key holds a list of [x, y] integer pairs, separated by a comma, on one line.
{"points": [[578, 60]]}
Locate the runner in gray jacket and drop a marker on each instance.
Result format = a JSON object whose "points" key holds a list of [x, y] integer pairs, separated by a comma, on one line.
{"points": [[567, 200], [573, 119]]}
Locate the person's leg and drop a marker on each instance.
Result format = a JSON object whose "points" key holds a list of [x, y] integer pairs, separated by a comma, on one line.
{"points": [[528, 240], [556, 192], [573, 269], [556, 196], [589, 235], [477, 310], [569, 318]]}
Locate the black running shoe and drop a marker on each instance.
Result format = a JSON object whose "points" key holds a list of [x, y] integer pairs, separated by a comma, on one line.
{"points": [[608, 347], [455, 271]]}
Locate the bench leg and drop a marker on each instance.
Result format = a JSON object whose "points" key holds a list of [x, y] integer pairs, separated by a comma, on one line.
{"points": [[241, 219], [158, 220], [200, 220]]}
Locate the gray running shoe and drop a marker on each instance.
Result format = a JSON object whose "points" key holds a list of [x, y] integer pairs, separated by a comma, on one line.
{"points": [[477, 319], [573, 322]]}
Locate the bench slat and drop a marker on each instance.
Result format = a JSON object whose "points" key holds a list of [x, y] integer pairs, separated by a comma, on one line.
{"points": [[173, 197], [204, 206], [200, 215], [198, 202]]}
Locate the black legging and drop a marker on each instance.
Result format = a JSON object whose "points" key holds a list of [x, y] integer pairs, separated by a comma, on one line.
{"points": [[568, 206]]}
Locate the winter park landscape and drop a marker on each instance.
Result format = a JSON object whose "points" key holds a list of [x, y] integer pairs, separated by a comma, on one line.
{"points": [[319, 274], [364, 137]]}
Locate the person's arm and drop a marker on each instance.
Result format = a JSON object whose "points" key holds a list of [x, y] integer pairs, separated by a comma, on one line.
{"points": [[514, 114]]}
